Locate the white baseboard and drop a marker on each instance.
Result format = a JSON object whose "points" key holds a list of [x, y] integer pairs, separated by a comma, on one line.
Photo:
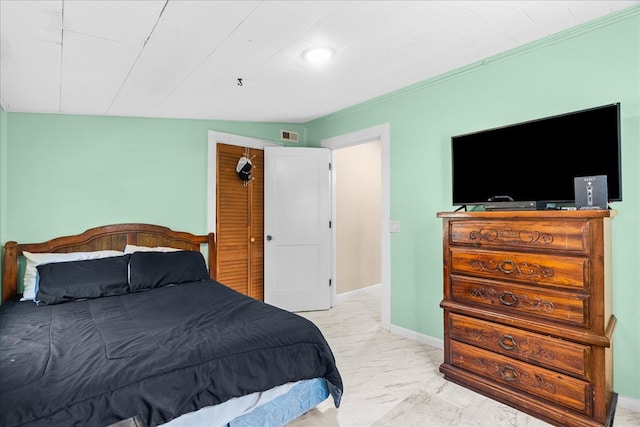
{"points": [[417, 336], [629, 403], [346, 295]]}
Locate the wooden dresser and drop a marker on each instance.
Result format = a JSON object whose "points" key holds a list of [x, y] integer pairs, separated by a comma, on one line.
{"points": [[527, 311]]}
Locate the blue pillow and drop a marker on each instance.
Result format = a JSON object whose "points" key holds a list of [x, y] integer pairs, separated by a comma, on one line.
{"points": [[69, 281], [155, 269]]}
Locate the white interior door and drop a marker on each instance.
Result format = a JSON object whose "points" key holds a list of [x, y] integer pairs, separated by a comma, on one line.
{"points": [[297, 215]]}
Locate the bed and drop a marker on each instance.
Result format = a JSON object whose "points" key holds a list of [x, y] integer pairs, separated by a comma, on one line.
{"points": [[146, 336]]}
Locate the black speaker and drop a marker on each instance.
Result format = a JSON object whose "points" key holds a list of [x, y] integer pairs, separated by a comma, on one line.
{"points": [[591, 192]]}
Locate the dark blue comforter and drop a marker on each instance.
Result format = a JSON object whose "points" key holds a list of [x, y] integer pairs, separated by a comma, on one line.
{"points": [[156, 354]]}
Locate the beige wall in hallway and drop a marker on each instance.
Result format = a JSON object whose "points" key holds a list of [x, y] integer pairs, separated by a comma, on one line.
{"points": [[358, 199]]}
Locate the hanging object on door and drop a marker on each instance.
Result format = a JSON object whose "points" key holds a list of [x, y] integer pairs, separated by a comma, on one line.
{"points": [[243, 169]]}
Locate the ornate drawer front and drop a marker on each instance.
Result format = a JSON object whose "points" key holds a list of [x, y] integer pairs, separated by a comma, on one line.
{"points": [[565, 236], [542, 350], [569, 272], [568, 307], [553, 386]]}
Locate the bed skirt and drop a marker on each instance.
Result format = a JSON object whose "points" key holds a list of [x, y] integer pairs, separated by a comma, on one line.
{"points": [[272, 408]]}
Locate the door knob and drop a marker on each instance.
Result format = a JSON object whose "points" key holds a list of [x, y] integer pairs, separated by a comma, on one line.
{"points": [[269, 237], [253, 239]]}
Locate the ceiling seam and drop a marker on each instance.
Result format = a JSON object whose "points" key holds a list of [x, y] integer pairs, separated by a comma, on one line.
{"points": [[61, 57], [206, 58], [137, 57], [93, 36]]}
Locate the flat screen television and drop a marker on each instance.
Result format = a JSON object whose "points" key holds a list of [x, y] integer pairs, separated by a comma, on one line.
{"points": [[538, 160]]}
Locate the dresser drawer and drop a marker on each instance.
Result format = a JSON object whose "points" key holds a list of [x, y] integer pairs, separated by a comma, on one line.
{"points": [[542, 350], [547, 304], [561, 236], [552, 386], [547, 270]]}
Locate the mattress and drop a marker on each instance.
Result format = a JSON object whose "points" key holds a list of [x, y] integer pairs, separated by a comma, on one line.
{"points": [[156, 354]]}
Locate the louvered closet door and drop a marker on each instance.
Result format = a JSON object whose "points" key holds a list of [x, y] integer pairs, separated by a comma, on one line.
{"points": [[239, 222]]}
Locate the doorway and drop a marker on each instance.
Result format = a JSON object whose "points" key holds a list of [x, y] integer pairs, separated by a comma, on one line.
{"points": [[375, 133], [358, 194], [379, 132]]}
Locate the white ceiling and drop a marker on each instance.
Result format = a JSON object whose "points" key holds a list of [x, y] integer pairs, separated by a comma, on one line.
{"points": [[182, 58]]}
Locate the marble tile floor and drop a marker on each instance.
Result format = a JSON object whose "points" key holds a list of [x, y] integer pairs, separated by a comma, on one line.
{"points": [[393, 381]]}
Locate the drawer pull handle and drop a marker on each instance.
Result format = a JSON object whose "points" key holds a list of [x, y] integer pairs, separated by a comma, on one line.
{"points": [[508, 266], [507, 342], [509, 373], [508, 298]]}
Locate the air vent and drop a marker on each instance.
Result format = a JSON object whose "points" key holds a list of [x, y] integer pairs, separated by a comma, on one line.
{"points": [[287, 135]]}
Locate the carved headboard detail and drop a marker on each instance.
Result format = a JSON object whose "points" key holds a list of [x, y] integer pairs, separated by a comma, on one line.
{"points": [[115, 236]]}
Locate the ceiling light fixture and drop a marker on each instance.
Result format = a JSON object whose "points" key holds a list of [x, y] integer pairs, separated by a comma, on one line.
{"points": [[318, 55]]}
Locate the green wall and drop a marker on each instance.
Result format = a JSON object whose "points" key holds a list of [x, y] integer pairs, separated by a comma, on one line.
{"points": [[70, 173], [3, 169], [596, 64]]}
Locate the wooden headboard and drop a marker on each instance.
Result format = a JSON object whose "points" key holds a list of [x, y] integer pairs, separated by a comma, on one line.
{"points": [[115, 237]]}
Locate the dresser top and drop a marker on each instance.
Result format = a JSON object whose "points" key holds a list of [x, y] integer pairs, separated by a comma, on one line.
{"points": [[544, 214]]}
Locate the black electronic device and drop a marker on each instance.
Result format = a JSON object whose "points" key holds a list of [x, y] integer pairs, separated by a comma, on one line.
{"points": [[538, 160], [512, 206], [591, 192]]}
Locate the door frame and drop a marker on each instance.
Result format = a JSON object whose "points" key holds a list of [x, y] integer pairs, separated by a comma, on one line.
{"points": [[215, 137], [375, 133], [380, 132]]}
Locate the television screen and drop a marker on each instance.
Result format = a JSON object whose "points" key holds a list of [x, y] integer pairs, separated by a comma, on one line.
{"points": [[538, 160]]}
